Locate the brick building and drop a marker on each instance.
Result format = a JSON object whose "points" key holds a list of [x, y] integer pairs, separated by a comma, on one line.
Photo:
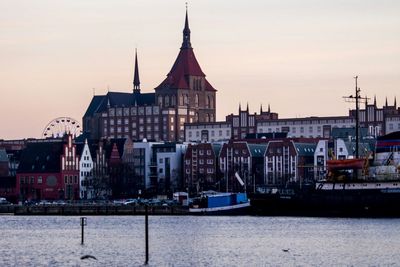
{"points": [[201, 167], [183, 96], [49, 169]]}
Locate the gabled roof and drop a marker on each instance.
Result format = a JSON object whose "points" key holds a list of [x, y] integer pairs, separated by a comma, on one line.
{"points": [[184, 66], [100, 103], [305, 149], [94, 105], [257, 150], [217, 148], [3, 155], [41, 157], [363, 149]]}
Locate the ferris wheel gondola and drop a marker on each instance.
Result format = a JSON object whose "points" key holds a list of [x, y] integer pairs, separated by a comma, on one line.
{"points": [[60, 126]]}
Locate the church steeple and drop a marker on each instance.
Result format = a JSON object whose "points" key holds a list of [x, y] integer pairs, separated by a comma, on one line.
{"points": [[136, 80], [186, 33]]}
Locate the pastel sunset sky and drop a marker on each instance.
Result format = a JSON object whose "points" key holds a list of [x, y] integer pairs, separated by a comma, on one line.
{"points": [[298, 56]]}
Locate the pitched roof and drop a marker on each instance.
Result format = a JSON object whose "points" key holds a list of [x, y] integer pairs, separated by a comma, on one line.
{"points": [[185, 65], [100, 103], [305, 149], [257, 150], [3, 155], [41, 157]]}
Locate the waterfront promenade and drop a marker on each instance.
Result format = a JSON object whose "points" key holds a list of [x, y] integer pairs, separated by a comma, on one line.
{"points": [[92, 209]]}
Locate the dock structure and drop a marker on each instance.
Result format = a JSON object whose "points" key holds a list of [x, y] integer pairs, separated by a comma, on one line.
{"points": [[91, 210]]}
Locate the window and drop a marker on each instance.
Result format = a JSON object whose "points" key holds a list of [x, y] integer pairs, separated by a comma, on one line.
{"points": [[75, 179], [39, 180], [70, 179], [201, 152], [210, 161], [210, 170], [160, 170], [32, 180], [208, 152], [201, 161], [119, 121], [161, 160], [187, 162], [65, 179]]}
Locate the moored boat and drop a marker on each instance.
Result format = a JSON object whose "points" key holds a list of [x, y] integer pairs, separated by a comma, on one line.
{"points": [[217, 203]]}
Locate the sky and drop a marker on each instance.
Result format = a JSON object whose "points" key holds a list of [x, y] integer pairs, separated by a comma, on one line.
{"points": [[298, 56]]}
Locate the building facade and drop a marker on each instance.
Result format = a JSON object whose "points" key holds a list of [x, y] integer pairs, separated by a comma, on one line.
{"points": [[185, 95]]}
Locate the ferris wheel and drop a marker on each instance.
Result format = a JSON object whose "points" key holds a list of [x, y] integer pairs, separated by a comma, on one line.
{"points": [[60, 126]]}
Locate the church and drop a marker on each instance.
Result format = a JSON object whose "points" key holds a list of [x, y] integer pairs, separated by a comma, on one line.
{"points": [[184, 96]]}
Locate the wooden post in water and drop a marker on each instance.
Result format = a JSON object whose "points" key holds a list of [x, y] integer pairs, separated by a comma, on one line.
{"points": [[146, 216], [83, 223]]}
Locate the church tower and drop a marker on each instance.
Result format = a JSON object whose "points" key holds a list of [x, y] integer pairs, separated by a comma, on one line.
{"points": [[186, 90], [136, 80]]}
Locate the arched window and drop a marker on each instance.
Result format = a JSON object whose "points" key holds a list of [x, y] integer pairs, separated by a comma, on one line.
{"points": [[186, 99], [181, 100], [196, 119], [196, 100], [208, 102], [208, 118], [166, 101], [211, 117], [160, 101], [211, 101]]}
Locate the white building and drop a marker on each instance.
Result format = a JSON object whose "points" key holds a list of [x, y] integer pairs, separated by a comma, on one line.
{"points": [[311, 127], [208, 132], [169, 164], [85, 173]]}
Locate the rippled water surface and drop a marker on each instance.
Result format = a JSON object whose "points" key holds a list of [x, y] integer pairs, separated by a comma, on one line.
{"points": [[200, 241]]}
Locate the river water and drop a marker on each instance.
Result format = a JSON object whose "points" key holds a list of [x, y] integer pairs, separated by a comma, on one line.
{"points": [[199, 241]]}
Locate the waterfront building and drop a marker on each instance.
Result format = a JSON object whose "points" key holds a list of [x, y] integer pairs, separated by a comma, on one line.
{"points": [[85, 171], [376, 121], [166, 167], [185, 95], [243, 159], [49, 169], [4, 163], [201, 167], [288, 161]]}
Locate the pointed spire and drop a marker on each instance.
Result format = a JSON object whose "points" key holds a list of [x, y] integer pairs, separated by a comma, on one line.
{"points": [[375, 100], [240, 107], [136, 80], [186, 33], [261, 111], [386, 102], [269, 108], [395, 103], [247, 108]]}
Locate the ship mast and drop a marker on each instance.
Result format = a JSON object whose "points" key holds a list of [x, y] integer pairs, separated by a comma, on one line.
{"points": [[357, 99]]}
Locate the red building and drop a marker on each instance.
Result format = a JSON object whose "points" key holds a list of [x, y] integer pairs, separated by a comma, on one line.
{"points": [[48, 169], [200, 166]]}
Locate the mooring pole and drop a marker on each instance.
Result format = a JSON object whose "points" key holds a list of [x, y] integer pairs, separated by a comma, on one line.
{"points": [[146, 216], [83, 223]]}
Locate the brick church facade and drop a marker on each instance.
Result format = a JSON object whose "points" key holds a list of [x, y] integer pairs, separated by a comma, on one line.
{"points": [[184, 96]]}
